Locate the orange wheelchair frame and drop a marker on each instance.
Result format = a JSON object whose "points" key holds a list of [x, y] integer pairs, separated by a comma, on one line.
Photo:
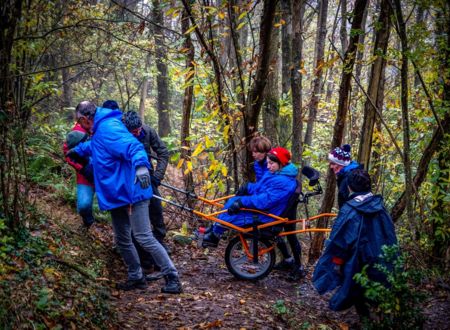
{"points": [[254, 246]]}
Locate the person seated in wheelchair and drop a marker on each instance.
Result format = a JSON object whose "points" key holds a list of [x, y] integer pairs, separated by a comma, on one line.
{"points": [[270, 195]]}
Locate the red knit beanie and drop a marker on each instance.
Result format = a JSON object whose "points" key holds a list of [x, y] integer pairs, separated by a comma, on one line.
{"points": [[283, 155]]}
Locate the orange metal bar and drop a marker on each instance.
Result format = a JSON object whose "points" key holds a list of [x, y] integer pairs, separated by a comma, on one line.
{"points": [[247, 249], [310, 230]]}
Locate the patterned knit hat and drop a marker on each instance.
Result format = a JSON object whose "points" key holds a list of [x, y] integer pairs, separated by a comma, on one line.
{"points": [[283, 155], [341, 156]]}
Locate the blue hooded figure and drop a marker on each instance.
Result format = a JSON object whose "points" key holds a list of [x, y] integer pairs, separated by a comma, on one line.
{"points": [[361, 228]]}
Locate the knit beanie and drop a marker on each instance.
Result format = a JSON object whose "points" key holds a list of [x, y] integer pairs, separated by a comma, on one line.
{"points": [[341, 156], [359, 181], [75, 137], [283, 155], [132, 120]]}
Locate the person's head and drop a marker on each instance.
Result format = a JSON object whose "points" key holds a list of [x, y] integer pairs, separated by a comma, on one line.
{"points": [[259, 146], [339, 158], [359, 181], [85, 112], [277, 158], [74, 138], [110, 104], [133, 122]]}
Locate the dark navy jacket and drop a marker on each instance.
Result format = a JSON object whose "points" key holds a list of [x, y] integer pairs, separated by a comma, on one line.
{"points": [[342, 178], [359, 232]]}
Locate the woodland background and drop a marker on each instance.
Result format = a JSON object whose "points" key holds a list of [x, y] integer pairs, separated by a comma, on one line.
{"points": [[310, 75]]}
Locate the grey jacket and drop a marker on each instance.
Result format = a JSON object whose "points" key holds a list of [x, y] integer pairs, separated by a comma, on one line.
{"points": [[155, 149]]}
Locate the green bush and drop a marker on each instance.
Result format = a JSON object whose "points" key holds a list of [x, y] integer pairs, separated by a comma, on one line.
{"points": [[396, 305]]}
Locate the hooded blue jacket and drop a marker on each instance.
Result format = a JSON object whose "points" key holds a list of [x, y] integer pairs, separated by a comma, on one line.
{"points": [[116, 154], [270, 195], [260, 169], [359, 232], [342, 178]]}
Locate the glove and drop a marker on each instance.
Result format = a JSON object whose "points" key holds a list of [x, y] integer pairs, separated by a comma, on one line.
{"points": [[242, 190], [235, 207], [88, 172], [72, 154], [143, 176], [155, 181]]}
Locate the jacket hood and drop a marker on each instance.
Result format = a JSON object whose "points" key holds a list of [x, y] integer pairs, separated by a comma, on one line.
{"points": [[288, 170], [350, 167], [372, 204], [104, 113]]}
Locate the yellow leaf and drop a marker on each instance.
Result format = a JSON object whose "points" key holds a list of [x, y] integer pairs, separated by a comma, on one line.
{"points": [[180, 163], [224, 171], [240, 26], [208, 142], [197, 89], [189, 165], [221, 15], [198, 150]]}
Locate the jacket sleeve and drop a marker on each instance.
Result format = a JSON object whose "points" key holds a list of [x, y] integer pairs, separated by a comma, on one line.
{"points": [[344, 237], [123, 145], [77, 166], [84, 149], [161, 151], [273, 192]]}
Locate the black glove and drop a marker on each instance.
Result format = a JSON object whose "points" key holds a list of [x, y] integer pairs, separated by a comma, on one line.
{"points": [[242, 190], [88, 172], [155, 181], [235, 207]]}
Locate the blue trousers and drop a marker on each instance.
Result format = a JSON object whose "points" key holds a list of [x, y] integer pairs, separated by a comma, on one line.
{"points": [[85, 198], [136, 220]]}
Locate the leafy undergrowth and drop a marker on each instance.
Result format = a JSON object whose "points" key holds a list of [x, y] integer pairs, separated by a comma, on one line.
{"points": [[52, 275]]}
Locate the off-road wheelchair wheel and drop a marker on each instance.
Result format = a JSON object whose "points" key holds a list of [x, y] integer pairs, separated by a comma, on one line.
{"points": [[242, 266]]}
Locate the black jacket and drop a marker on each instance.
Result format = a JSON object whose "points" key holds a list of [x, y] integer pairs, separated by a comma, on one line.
{"points": [[155, 149]]}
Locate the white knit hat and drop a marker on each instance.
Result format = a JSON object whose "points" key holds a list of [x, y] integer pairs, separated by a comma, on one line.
{"points": [[341, 156]]}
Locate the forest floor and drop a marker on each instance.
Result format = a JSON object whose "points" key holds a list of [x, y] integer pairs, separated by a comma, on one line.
{"points": [[213, 298]]}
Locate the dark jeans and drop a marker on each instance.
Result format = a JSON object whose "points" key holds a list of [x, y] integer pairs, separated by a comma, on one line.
{"points": [[294, 244], [158, 228]]}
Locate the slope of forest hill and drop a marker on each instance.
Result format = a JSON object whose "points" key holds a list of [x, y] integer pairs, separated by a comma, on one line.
{"points": [[80, 264]]}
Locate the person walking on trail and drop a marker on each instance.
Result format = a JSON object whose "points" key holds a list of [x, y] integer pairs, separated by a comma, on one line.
{"points": [[153, 146], [361, 228], [270, 195], [342, 165], [85, 184], [122, 180]]}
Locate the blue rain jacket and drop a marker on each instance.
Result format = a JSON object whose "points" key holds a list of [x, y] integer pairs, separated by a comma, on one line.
{"points": [[116, 154], [260, 169], [359, 232], [342, 178], [270, 194]]}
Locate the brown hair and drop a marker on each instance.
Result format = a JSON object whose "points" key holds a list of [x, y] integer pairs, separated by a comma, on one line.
{"points": [[260, 144]]}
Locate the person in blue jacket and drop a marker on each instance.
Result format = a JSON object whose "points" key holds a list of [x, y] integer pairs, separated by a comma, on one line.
{"points": [[122, 182], [341, 164], [362, 227], [270, 194]]}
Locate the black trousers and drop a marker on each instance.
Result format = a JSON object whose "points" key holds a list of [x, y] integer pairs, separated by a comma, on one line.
{"points": [[294, 244], [155, 212]]}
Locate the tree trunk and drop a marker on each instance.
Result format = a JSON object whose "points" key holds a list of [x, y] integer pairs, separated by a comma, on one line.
{"points": [[271, 110], [144, 89], [405, 113], [298, 11], [255, 97], [376, 78], [187, 100], [343, 31], [319, 60], [162, 79], [341, 115]]}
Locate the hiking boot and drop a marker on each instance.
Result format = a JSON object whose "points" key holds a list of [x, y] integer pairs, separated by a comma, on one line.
{"points": [[173, 284], [297, 273], [210, 240], [132, 284], [284, 265]]}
